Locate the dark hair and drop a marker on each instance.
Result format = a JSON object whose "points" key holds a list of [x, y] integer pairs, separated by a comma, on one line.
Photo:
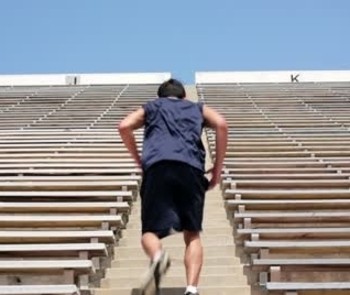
{"points": [[172, 87]]}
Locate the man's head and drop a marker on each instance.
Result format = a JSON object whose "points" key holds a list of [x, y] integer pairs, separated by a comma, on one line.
{"points": [[172, 88]]}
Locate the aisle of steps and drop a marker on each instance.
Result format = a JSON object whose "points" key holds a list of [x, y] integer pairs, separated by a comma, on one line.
{"points": [[222, 272]]}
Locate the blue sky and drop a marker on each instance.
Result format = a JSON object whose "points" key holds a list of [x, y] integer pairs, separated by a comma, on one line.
{"points": [[102, 36]]}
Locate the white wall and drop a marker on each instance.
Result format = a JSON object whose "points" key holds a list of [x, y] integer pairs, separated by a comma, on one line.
{"points": [[28, 80], [85, 79], [272, 77], [131, 78], [157, 78]]}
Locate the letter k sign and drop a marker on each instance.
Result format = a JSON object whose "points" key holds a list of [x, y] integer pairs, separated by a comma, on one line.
{"points": [[294, 78]]}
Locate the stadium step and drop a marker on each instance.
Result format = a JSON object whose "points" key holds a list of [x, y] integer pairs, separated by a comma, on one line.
{"points": [[206, 224], [209, 290], [222, 272], [222, 269], [208, 240], [174, 251], [207, 232], [208, 261], [178, 280], [120, 272]]}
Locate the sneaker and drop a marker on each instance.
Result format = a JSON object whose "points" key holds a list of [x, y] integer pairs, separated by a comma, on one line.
{"points": [[153, 276], [190, 293]]}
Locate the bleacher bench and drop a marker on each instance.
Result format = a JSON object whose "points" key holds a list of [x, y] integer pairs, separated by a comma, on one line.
{"points": [[119, 196], [323, 246], [293, 288], [40, 289], [297, 193], [57, 236], [311, 233], [113, 222], [255, 204], [83, 250], [72, 271], [248, 218]]}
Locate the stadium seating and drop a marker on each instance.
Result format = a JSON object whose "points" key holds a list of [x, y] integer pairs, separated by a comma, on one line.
{"points": [[285, 181], [67, 184]]}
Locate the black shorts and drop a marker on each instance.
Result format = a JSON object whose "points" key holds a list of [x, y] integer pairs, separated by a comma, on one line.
{"points": [[172, 196]]}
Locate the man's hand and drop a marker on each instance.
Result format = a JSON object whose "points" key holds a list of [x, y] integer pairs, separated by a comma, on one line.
{"points": [[217, 122], [215, 177]]}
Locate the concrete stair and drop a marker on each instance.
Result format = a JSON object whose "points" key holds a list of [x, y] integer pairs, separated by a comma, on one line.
{"points": [[222, 272], [212, 290]]}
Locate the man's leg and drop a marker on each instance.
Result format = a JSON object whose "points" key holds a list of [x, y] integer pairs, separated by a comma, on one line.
{"points": [[159, 265], [151, 245], [193, 257], [156, 195]]}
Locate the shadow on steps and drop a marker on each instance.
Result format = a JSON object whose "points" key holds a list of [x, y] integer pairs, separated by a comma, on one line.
{"points": [[163, 291]]}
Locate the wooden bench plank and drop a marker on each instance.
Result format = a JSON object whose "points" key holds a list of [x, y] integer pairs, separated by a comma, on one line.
{"points": [[338, 164], [54, 221], [54, 133], [332, 153], [126, 195], [307, 142], [68, 185], [58, 236], [286, 184], [302, 233], [34, 207], [226, 178], [287, 204], [285, 216], [40, 143], [293, 147], [269, 154], [55, 140], [40, 289], [281, 286], [32, 135], [31, 158], [94, 151], [302, 262], [292, 217], [33, 266], [297, 193], [72, 164], [280, 164], [113, 208], [278, 159], [69, 178], [70, 171], [65, 153], [52, 250], [299, 246], [82, 164], [273, 171]]}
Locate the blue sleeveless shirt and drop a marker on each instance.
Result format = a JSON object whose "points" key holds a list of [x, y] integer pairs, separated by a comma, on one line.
{"points": [[173, 129]]}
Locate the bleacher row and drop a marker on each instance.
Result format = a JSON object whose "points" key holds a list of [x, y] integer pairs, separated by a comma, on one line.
{"points": [[66, 184], [286, 181]]}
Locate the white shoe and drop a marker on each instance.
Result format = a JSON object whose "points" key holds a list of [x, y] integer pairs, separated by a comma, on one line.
{"points": [[152, 278]]}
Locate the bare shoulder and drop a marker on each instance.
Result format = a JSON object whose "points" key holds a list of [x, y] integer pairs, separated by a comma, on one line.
{"points": [[212, 118], [134, 120]]}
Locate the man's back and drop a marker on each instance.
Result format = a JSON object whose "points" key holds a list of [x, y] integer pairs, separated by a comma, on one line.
{"points": [[173, 129]]}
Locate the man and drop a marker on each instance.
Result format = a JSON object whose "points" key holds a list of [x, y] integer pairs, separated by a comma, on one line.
{"points": [[174, 185]]}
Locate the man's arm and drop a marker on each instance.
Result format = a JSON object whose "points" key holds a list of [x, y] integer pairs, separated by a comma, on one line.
{"points": [[126, 127], [217, 122]]}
